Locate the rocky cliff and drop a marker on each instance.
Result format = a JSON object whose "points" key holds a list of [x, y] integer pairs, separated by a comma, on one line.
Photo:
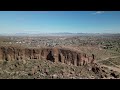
{"points": [[53, 54]]}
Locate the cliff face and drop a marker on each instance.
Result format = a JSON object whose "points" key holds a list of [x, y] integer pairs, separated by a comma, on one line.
{"points": [[53, 54]]}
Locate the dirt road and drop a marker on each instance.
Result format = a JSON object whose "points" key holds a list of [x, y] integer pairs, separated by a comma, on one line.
{"points": [[108, 58], [116, 68]]}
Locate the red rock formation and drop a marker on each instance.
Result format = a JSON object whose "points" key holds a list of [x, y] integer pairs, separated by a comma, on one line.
{"points": [[53, 54]]}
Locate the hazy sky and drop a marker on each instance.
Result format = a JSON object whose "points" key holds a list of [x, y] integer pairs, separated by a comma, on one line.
{"points": [[59, 21]]}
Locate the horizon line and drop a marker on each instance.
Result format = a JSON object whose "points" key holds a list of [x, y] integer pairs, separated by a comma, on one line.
{"points": [[61, 33]]}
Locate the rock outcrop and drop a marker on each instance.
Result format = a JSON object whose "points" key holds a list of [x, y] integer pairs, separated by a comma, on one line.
{"points": [[53, 54]]}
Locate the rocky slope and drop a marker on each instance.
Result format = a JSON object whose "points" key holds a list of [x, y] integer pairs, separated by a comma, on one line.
{"points": [[47, 63], [45, 69]]}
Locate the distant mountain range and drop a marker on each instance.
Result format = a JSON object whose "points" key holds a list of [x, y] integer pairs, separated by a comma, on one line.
{"points": [[56, 34], [52, 34]]}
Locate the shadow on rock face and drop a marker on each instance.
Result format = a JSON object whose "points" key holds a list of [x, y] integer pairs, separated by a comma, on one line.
{"points": [[50, 57], [59, 58], [115, 74]]}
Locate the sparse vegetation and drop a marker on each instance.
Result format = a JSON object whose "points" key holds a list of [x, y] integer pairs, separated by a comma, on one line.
{"points": [[102, 46], [42, 69]]}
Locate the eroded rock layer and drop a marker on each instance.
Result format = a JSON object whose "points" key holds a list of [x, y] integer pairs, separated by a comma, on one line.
{"points": [[53, 54]]}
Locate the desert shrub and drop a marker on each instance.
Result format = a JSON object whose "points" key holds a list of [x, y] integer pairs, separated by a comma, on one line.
{"points": [[4, 62]]}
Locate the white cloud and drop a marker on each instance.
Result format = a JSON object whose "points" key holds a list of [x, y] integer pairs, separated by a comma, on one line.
{"points": [[99, 12]]}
